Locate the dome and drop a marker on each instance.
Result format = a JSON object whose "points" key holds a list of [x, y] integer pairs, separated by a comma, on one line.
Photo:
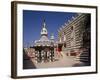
{"points": [[43, 41], [44, 30]]}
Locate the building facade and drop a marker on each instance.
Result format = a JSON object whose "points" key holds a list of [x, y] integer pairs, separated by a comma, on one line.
{"points": [[74, 36]]}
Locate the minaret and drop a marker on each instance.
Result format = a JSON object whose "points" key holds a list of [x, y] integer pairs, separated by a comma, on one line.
{"points": [[44, 31], [52, 38]]}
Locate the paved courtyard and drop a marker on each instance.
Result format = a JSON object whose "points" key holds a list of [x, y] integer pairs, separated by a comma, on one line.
{"points": [[62, 61]]}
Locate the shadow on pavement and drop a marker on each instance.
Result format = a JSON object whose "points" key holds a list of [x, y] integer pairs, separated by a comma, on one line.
{"points": [[27, 63]]}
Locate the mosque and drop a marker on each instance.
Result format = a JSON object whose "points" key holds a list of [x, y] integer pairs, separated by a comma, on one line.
{"points": [[73, 45]]}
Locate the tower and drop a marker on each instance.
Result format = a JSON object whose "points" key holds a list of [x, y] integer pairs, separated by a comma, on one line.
{"points": [[52, 37], [44, 33], [44, 30]]}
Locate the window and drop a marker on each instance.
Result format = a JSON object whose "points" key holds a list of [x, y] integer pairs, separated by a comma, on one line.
{"points": [[71, 27]]}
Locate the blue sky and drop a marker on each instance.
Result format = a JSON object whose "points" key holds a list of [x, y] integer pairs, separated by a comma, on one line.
{"points": [[33, 20]]}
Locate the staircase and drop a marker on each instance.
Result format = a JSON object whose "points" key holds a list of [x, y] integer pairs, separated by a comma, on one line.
{"points": [[84, 57]]}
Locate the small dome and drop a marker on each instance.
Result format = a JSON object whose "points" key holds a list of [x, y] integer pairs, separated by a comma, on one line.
{"points": [[44, 30]]}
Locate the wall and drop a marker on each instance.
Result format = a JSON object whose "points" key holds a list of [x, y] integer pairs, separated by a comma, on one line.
{"points": [[5, 40]]}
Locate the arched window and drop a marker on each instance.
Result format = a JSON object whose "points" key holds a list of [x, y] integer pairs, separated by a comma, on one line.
{"points": [[72, 28]]}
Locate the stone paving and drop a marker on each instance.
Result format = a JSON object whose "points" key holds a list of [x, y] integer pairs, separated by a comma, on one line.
{"points": [[62, 61]]}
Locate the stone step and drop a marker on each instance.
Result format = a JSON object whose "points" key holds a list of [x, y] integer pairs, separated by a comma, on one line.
{"points": [[86, 60], [82, 57]]}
